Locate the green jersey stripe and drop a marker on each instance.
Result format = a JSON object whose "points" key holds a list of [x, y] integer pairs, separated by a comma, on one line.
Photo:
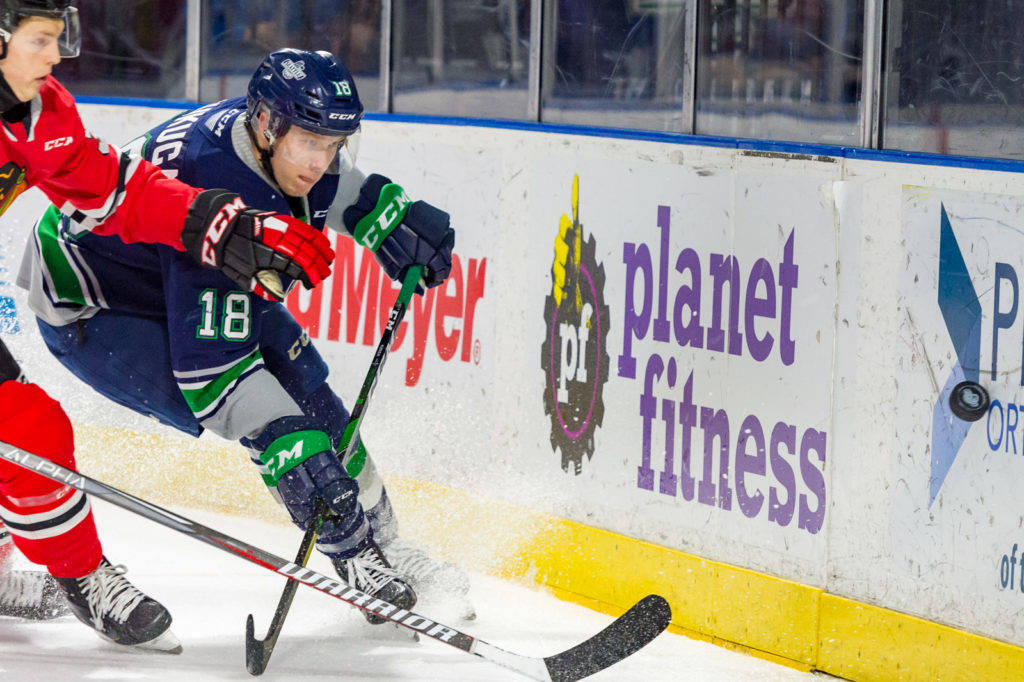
{"points": [[63, 274], [202, 398]]}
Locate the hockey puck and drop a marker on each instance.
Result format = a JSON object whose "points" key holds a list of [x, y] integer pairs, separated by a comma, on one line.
{"points": [[969, 401]]}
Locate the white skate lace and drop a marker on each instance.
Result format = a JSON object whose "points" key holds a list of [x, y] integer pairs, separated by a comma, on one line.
{"points": [[368, 572], [107, 592], [22, 588]]}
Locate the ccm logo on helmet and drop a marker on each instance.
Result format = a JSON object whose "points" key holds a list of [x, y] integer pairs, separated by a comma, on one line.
{"points": [[342, 117], [58, 142]]}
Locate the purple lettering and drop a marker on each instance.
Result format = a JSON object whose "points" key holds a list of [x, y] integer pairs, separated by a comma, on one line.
{"points": [[661, 326], [779, 512], [635, 323], [648, 411], [814, 479], [751, 429], [759, 307], [725, 269], [691, 333], [788, 272], [667, 482], [715, 424], [687, 419]]}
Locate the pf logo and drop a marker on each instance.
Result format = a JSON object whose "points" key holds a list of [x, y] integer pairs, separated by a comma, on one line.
{"points": [[574, 355]]}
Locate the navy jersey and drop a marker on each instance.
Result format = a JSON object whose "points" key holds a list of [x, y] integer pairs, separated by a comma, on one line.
{"points": [[213, 327]]}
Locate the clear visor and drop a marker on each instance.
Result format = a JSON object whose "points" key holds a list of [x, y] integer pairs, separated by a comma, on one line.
{"points": [[318, 153], [68, 43]]}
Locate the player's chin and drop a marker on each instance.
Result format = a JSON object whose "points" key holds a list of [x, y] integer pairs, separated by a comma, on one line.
{"points": [[28, 91], [299, 188]]}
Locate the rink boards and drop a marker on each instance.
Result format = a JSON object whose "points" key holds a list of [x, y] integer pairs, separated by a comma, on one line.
{"points": [[718, 373]]}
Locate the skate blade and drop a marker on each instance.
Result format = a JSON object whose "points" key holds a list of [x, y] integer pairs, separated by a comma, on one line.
{"points": [[165, 643], [393, 632], [406, 633]]}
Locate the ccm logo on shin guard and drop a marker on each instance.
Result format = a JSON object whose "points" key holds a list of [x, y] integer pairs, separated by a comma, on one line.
{"points": [[218, 226], [287, 452], [280, 462]]}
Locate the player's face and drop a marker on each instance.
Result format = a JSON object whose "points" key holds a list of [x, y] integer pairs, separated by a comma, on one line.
{"points": [[31, 55], [302, 157]]}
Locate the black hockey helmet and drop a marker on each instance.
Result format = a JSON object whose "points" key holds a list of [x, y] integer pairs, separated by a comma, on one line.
{"points": [[12, 12]]}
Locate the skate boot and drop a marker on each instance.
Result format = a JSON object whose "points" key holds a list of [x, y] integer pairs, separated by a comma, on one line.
{"points": [[105, 601], [370, 572], [31, 594], [430, 577]]}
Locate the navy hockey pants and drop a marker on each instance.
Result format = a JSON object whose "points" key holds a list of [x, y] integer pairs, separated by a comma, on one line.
{"points": [[126, 358]]}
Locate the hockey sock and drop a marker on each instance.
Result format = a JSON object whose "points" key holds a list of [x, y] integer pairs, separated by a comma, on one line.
{"points": [[50, 523]]}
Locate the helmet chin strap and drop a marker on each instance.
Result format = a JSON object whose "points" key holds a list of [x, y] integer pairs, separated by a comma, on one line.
{"points": [[264, 154], [8, 100]]}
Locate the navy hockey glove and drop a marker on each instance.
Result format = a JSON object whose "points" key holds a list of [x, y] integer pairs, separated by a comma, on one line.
{"points": [[401, 233], [300, 467], [242, 242]]}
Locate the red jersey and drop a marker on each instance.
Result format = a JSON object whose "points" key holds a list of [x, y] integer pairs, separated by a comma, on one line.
{"points": [[103, 190]]}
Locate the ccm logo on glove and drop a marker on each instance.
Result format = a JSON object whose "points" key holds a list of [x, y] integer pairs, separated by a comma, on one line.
{"points": [[255, 248], [218, 226], [400, 232]]}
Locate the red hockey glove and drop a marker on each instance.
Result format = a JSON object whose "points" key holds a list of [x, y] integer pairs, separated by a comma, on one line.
{"points": [[253, 247]]}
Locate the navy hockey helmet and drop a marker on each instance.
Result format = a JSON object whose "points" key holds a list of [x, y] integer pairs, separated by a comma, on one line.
{"points": [[312, 90], [12, 12]]}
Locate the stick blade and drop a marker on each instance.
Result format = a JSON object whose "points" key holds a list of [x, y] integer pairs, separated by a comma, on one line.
{"points": [[255, 661], [629, 633]]}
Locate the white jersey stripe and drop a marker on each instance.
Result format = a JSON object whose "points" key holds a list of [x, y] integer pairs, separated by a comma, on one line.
{"points": [[54, 531]]}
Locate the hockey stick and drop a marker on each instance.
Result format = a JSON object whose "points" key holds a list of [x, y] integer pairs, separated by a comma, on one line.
{"points": [[628, 633], [258, 652]]}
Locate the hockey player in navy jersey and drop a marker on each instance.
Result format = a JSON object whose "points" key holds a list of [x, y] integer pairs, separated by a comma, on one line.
{"points": [[148, 328]]}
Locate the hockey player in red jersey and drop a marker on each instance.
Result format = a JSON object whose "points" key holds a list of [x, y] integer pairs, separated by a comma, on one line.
{"points": [[44, 144]]}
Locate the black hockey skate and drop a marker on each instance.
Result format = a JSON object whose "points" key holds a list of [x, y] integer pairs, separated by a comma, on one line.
{"points": [[105, 601], [31, 594], [370, 572]]}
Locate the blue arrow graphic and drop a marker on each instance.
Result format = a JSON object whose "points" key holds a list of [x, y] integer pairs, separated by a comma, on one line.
{"points": [[961, 311]]}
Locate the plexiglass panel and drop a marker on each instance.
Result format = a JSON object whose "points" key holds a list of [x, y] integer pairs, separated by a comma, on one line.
{"points": [[461, 57], [238, 34], [780, 69], [618, 63], [132, 48], [953, 77]]}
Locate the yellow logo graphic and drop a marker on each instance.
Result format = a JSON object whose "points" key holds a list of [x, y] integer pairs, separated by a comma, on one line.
{"points": [[567, 255], [12, 184], [574, 355]]}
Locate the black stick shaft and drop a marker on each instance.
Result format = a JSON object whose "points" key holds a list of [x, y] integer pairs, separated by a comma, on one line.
{"points": [[257, 652], [350, 439]]}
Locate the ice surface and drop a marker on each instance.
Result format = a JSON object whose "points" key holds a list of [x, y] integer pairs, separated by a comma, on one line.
{"points": [[210, 592]]}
